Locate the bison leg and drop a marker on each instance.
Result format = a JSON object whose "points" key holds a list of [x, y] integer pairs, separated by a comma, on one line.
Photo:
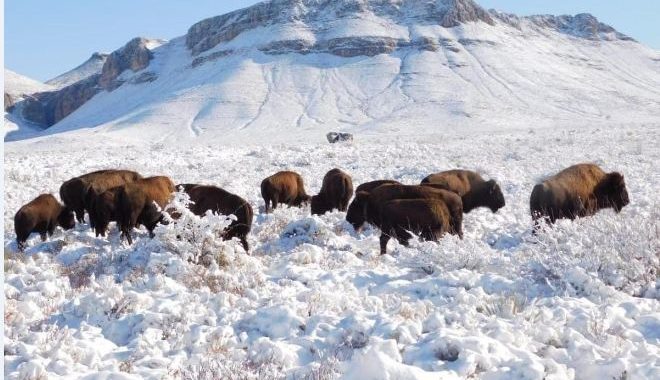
{"points": [[44, 235], [127, 235], [402, 236], [80, 215], [21, 244], [384, 238], [245, 244]]}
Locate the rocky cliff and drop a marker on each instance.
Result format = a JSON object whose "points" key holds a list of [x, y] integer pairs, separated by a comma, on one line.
{"points": [[47, 108]]}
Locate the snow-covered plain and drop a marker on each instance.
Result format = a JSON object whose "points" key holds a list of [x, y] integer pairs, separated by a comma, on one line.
{"points": [[315, 300]]}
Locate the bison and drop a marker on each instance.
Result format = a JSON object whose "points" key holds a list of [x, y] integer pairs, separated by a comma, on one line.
{"points": [[429, 218], [577, 191], [336, 192], [283, 187], [222, 202], [364, 207], [369, 186], [41, 215], [102, 209], [140, 202], [473, 189], [74, 191]]}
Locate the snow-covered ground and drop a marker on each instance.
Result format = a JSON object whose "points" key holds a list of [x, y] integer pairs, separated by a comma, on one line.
{"points": [[315, 300]]}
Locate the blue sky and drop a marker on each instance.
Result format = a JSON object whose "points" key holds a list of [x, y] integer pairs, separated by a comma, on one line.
{"points": [[44, 38]]}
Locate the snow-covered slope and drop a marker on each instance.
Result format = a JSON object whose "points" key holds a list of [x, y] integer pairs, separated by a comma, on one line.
{"points": [[19, 85], [289, 69], [315, 300], [90, 67]]}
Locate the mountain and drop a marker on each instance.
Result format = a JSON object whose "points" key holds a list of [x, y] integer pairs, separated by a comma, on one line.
{"points": [[90, 67], [286, 69], [17, 86]]}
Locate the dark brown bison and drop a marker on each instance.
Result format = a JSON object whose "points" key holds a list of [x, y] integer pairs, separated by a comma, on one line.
{"points": [[220, 201], [102, 209], [578, 191], [365, 206], [41, 215], [368, 186], [141, 202], [429, 218], [336, 192], [74, 191], [283, 187], [474, 190]]}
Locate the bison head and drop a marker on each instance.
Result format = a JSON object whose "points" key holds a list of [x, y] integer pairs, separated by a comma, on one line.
{"points": [[66, 219], [356, 213], [319, 204], [613, 192], [495, 196]]}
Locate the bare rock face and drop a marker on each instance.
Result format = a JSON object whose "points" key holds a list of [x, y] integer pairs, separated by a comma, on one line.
{"points": [[48, 108], [9, 102], [583, 25], [134, 56], [316, 15]]}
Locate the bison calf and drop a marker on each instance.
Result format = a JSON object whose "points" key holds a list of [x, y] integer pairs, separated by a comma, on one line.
{"points": [[336, 192], [222, 202], [577, 191], [139, 202], [41, 215], [283, 187], [473, 189]]}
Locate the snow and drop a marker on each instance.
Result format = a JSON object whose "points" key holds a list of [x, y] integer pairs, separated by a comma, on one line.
{"points": [[85, 70], [19, 85], [313, 298], [485, 77]]}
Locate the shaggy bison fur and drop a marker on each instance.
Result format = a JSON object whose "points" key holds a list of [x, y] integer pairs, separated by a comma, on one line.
{"points": [[141, 202], [102, 209], [473, 189], [74, 191], [283, 187], [429, 218], [369, 186], [220, 201], [577, 191], [41, 215], [365, 206], [336, 192]]}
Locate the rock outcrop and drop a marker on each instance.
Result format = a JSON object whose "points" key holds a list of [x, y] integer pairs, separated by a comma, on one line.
{"points": [[314, 14], [583, 25], [135, 55], [9, 102], [47, 108]]}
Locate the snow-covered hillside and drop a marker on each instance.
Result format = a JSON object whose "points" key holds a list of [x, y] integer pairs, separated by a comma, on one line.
{"points": [[315, 300], [289, 69], [17, 87], [90, 67]]}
